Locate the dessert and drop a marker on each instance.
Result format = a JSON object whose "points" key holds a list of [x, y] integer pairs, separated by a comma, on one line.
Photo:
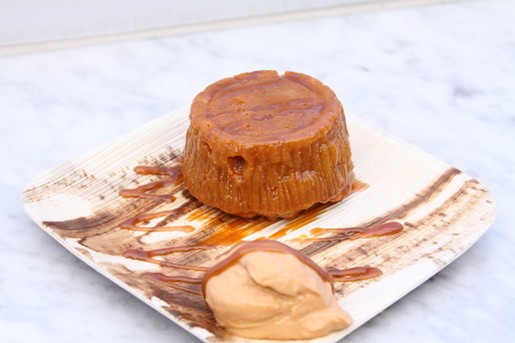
{"points": [[264, 144], [267, 290]]}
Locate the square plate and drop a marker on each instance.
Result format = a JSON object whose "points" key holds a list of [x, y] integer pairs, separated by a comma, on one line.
{"points": [[444, 211]]}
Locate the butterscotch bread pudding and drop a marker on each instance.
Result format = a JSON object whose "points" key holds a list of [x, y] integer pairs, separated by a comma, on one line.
{"points": [[264, 144]]}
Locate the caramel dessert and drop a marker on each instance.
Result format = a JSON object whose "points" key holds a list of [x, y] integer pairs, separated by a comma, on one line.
{"points": [[264, 144]]}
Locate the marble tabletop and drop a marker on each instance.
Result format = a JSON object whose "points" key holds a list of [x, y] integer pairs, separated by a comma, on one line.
{"points": [[441, 77]]}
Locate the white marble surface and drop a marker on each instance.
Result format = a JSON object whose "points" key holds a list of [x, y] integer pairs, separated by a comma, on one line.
{"points": [[440, 77]]}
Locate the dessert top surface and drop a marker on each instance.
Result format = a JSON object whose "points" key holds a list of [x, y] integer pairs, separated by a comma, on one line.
{"points": [[265, 107]]}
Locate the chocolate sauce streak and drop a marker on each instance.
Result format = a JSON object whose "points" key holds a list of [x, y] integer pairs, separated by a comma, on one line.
{"points": [[172, 281]]}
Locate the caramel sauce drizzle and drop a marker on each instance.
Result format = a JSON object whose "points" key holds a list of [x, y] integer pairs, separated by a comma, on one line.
{"points": [[307, 217], [132, 223], [148, 256], [386, 229], [353, 274], [175, 177], [237, 229]]}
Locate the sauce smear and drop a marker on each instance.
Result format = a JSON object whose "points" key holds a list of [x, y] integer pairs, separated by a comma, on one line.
{"points": [[148, 256], [354, 274], [173, 280], [386, 229], [132, 223], [175, 177]]}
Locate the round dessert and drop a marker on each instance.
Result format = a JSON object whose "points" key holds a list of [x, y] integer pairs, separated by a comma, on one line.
{"points": [[266, 290], [261, 143]]}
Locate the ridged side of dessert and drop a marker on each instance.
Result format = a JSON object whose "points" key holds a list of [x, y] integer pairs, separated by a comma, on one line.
{"points": [[264, 144]]}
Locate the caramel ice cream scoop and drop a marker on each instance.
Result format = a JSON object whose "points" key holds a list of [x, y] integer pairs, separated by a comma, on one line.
{"points": [[267, 290]]}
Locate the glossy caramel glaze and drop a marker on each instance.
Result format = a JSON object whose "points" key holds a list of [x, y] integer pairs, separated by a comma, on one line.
{"points": [[262, 144]]}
